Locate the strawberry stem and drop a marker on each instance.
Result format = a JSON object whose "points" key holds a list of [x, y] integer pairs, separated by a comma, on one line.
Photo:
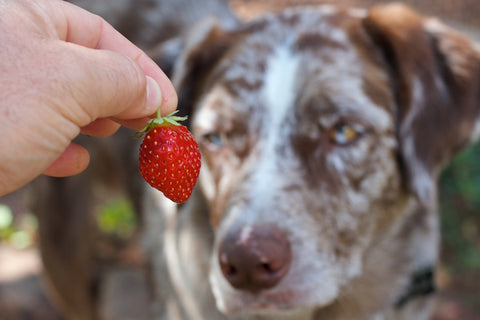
{"points": [[159, 120]]}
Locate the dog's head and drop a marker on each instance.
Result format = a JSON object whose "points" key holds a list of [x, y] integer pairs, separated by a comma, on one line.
{"points": [[318, 128]]}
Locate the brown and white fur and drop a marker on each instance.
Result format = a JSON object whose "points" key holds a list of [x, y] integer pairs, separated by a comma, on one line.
{"points": [[351, 219]]}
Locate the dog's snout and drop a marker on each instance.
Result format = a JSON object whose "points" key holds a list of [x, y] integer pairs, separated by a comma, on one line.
{"points": [[255, 258]]}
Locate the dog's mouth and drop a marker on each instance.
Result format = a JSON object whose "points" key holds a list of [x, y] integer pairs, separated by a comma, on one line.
{"points": [[266, 303], [284, 300]]}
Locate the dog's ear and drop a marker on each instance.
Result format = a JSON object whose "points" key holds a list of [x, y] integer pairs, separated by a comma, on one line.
{"points": [[435, 73], [202, 49], [188, 58], [166, 53]]}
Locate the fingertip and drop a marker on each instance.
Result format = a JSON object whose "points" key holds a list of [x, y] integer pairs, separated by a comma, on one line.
{"points": [[101, 127], [154, 96], [157, 95], [160, 95], [169, 97], [72, 161], [135, 124]]}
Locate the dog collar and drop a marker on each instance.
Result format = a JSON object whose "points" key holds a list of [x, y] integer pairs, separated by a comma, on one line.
{"points": [[421, 284]]}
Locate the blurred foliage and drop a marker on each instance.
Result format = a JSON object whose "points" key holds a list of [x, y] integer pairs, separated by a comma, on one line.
{"points": [[117, 217], [459, 196], [19, 233]]}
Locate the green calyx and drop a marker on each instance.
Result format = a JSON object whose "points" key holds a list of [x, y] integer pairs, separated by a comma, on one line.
{"points": [[159, 120]]}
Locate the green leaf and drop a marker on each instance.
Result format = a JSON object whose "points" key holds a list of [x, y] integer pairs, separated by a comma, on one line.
{"points": [[6, 217], [117, 217]]}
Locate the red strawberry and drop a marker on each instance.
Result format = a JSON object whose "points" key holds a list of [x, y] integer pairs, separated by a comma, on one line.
{"points": [[169, 157]]}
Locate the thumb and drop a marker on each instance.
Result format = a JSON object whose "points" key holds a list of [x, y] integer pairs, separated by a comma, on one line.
{"points": [[108, 84]]}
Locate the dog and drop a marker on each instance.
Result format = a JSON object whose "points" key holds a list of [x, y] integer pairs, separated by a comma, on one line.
{"points": [[323, 131]]}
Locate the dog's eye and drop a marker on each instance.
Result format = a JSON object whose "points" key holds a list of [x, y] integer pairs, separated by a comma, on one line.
{"points": [[343, 134], [213, 139]]}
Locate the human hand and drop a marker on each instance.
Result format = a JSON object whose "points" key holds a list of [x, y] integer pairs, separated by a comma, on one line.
{"points": [[65, 71]]}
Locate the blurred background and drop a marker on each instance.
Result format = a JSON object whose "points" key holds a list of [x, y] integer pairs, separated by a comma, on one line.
{"points": [[25, 295]]}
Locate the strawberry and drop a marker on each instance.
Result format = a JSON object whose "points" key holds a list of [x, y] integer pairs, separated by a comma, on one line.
{"points": [[169, 157]]}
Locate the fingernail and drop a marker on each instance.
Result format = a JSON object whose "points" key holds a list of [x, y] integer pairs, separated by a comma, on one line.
{"points": [[170, 99], [154, 95]]}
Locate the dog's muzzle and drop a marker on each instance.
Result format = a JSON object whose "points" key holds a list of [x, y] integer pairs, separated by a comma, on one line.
{"points": [[255, 258]]}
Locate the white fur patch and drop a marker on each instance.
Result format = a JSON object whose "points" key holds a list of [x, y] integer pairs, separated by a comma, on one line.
{"points": [[280, 81], [358, 12], [434, 25], [245, 234], [279, 94]]}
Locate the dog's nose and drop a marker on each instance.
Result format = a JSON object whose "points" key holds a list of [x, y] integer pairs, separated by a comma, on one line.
{"points": [[255, 258]]}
